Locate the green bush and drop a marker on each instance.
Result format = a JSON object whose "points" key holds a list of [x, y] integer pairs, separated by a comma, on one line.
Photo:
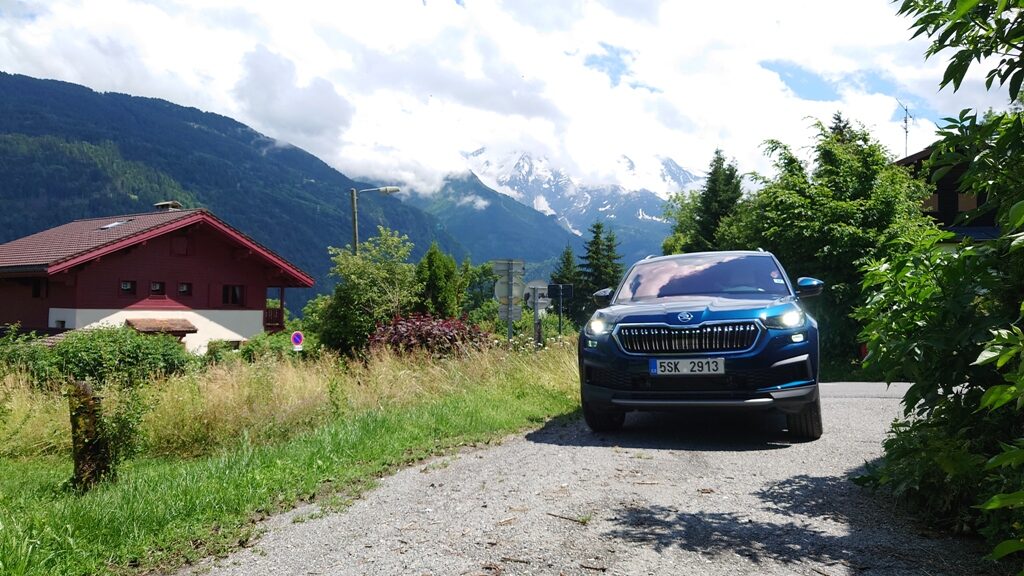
{"points": [[278, 346], [118, 356], [219, 351], [25, 353]]}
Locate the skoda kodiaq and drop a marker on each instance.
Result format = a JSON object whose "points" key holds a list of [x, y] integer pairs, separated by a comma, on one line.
{"points": [[703, 330]]}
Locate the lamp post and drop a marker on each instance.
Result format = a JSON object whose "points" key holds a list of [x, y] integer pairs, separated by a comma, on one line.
{"points": [[355, 212]]}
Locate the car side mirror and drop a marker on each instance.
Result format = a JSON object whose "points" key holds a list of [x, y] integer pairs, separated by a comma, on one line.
{"points": [[603, 297], [807, 287]]}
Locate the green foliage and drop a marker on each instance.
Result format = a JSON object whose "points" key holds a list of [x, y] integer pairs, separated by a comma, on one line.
{"points": [[439, 284], [962, 309], [568, 272], [600, 267], [53, 180], [219, 351], [681, 210], [374, 286], [476, 289], [829, 221], [696, 217], [122, 360], [26, 353], [925, 324], [277, 346], [180, 510], [119, 357], [69, 152]]}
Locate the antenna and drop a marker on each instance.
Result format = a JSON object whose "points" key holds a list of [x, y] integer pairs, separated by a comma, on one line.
{"points": [[907, 117]]}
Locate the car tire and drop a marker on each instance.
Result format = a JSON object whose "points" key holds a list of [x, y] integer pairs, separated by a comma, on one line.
{"points": [[603, 420], [806, 424]]}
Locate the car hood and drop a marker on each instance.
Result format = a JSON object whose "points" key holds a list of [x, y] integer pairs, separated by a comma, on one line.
{"points": [[699, 308]]}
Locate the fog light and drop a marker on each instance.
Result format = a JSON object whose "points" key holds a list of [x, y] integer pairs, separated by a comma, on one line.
{"points": [[797, 337]]}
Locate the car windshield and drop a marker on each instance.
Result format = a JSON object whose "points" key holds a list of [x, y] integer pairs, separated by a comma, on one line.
{"points": [[704, 274]]}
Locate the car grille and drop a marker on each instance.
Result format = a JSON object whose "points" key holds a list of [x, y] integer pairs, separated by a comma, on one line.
{"points": [[710, 338]]}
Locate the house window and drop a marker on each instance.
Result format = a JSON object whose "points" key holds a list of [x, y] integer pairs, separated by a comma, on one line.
{"points": [[127, 287], [157, 288], [184, 288], [39, 288], [233, 295]]}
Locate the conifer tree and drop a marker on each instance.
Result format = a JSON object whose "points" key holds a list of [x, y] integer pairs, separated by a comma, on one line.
{"points": [[439, 295], [568, 272], [696, 216], [601, 265]]}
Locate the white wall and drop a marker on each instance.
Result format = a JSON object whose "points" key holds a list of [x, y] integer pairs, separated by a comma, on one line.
{"points": [[211, 324]]}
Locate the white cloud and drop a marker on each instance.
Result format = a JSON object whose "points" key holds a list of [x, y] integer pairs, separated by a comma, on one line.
{"points": [[393, 90], [473, 200]]}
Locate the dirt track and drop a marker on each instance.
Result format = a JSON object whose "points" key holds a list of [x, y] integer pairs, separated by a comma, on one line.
{"points": [[670, 494]]}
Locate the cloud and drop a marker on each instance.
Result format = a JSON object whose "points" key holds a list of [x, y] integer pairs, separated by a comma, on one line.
{"points": [[393, 90], [312, 115], [475, 201]]}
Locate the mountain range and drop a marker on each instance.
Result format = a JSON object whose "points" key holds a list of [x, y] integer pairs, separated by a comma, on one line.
{"points": [[634, 214], [68, 152]]}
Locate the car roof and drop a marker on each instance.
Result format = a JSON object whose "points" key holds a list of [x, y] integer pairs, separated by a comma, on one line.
{"points": [[719, 252]]}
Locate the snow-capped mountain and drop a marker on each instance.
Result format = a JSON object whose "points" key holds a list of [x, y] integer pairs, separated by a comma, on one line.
{"points": [[632, 208]]}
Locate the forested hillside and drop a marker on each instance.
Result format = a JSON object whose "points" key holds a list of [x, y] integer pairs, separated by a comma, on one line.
{"points": [[68, 152]]}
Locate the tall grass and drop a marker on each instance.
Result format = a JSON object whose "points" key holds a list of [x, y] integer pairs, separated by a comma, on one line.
{"points": [[258, 438]]}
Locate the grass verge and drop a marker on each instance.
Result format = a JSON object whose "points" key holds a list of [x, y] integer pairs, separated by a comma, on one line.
{"points": [[166, 511]]}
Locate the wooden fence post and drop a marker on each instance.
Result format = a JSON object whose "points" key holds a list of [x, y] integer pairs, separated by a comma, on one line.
{"points": [[90, 448]]}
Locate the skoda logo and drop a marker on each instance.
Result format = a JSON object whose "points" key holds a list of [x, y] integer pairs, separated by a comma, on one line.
{"points": [[685, 317]]}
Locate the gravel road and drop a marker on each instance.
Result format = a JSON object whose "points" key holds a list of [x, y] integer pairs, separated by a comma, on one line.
{"points": [[671, 494]]}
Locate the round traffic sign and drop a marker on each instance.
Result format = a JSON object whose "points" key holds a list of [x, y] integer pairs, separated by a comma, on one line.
{"points": [[297, 338]]}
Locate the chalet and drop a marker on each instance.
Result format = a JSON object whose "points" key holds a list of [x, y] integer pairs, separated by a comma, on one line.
{"points": [[183, 272], [948, 206]]}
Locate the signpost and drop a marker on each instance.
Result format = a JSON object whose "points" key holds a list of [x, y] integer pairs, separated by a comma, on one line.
{"points": [[297, 340], [538, 300], [509, 289], [560, 291]]}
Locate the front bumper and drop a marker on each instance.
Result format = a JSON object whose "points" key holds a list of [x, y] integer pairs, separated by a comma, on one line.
{"points": [[776, 373]]}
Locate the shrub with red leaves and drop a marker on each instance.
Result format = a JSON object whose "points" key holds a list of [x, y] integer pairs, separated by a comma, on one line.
{"points": [[437, 336]]}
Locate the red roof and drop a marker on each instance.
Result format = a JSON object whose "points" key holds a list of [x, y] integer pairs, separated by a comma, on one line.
{"points": [[63, 247]]}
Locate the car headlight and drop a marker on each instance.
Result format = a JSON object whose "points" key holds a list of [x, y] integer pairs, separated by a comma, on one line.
{"points": [[598, 326], [790, 319]]}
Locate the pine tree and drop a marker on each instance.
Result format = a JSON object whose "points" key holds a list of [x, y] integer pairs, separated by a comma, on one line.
{"points": [[696, 217], [601, 265], [437, 274], [568, 272]]}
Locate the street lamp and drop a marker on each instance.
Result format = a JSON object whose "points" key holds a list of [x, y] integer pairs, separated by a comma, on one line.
{"points": [[355, 212]]}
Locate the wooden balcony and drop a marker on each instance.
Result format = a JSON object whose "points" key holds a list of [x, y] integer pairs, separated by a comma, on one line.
{"points": [[273, 319]]}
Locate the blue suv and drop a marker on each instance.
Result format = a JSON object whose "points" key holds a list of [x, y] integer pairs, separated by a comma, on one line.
{"points": [[703, 330]]}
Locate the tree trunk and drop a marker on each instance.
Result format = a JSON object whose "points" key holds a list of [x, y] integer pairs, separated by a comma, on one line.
{"points": [[90, 448]]}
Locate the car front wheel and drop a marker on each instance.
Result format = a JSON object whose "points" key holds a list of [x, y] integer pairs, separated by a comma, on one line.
{"points": [[806, 424], [603, 420]]}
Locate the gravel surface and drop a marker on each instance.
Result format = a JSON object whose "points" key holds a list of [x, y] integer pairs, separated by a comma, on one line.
{"points": [[671, 494]]}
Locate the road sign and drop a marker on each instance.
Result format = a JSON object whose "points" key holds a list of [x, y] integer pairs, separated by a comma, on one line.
{"points": [[563, 290], [501, 290], [502, 267], [516, 312], [537, 289], [297, 340]]}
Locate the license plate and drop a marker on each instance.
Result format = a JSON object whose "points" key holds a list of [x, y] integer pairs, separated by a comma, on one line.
{"points": [[696, 366]]}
